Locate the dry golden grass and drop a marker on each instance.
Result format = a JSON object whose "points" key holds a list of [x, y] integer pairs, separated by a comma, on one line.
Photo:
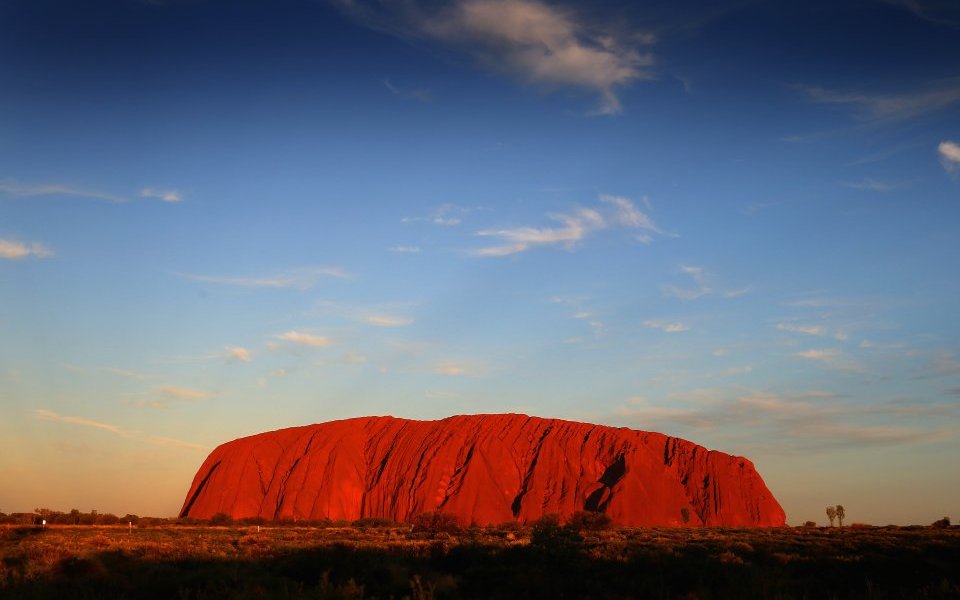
{"points": [[391, 561]]}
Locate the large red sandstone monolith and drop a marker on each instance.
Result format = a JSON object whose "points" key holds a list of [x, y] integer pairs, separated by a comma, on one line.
{"points": [[482, 469]]}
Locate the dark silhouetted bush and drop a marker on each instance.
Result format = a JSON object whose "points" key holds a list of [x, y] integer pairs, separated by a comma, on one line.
{"points": [[435, 522], [942, 523], [221, 519], [590, 521]]}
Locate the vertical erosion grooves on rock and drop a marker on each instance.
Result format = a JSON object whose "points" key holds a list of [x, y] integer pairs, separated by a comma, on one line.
{"points": [[481, 469]]}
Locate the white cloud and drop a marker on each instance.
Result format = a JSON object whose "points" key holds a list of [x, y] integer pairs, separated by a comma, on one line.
{"points": [[305, 339], [301, 279], [574, 228], [14, 250], [54, 189], [667, 327], [171, 196], [627, 213], [174, 392], [949, 155], [543, 45], [238, 354], [818, 330], [388, 320]]}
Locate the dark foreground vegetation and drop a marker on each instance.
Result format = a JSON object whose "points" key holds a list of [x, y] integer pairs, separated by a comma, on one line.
{"points": [[438, 559]]}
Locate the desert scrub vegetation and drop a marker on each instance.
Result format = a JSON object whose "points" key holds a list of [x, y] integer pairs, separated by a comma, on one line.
{"points": [[548, 559]]}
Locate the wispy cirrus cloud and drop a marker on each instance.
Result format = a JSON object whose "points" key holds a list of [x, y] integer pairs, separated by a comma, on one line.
{"points": [[126, 373], [949, 152], [666, 326], [404, 249], [873, 185], [166, 195], [168, 395], [880, 107], [30, 190], [49, 415], [301, 279], [814, 420], [301, 338], [419, 95], [701, 286], [388, 320], [833, 358], [573, 229], [538, 43], [454, 369], [11, 249], [942, 12], [447, 215], [818, 330], [175, 392]]}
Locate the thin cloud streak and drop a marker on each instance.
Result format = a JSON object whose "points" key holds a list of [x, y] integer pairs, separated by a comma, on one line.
{"points": [[301, 279], [183, 393], [887, 107], [49, 415], [666, 327], [388, 321], [305, 339], [55, 189]]}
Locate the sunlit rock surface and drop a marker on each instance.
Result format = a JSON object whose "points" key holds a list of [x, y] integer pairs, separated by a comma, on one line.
{"points": [[481, 468]]}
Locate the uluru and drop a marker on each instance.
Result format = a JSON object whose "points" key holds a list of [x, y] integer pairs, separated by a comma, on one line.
{"points": [[483, 469]]}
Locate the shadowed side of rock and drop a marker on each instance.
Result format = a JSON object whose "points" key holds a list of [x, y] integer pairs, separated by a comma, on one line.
{"points": [[482, 469]]}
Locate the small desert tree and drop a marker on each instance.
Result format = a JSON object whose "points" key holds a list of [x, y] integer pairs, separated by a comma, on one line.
{"points": [[840, 514], [831, 514]]}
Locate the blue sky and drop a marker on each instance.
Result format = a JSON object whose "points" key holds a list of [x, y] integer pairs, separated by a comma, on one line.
{"points": [[734, 222]]}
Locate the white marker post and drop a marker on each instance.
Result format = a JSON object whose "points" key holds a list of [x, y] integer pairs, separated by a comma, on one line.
{"points": [[43, 524], [130, 524]]}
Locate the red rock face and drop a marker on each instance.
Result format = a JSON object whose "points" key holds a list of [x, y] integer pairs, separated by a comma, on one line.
{"points": [[483, 469]]}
